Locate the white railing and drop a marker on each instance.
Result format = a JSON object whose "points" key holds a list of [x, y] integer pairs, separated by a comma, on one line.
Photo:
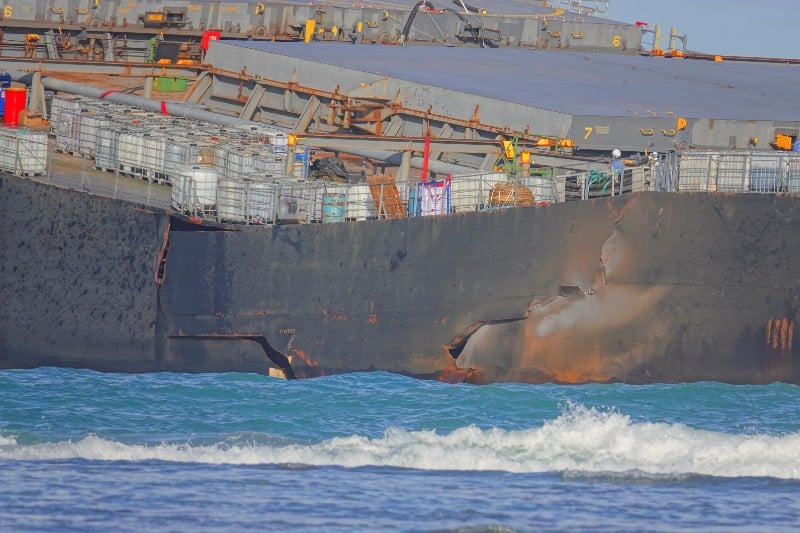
{"points": [[247, 174], [737, 171], [201, 191]]}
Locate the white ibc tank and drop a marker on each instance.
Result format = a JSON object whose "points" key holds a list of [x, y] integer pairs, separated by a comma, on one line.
{"points": [[31, 156], [247, 200], [129, 151], [106, 148], [279, 142], [154, 147], [195, 188], [471, 192], [232, 198], [90, 124], [262, 202], [360, 205], [541, 187]]}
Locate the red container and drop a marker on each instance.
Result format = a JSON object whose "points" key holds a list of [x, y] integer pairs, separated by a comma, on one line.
{"points": [[16, 100], [208, 37]]}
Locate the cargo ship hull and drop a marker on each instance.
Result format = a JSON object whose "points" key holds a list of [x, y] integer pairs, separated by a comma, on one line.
{"points": [[646, 287]]}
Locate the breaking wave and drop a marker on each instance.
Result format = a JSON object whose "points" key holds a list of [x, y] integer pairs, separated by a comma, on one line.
{"points": [[581, 440]]}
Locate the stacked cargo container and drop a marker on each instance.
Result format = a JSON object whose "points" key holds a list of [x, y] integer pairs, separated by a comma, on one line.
{"points": [[244, 174]]}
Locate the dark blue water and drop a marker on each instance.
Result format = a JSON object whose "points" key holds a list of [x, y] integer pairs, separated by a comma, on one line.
{"points": [[90, 451]]}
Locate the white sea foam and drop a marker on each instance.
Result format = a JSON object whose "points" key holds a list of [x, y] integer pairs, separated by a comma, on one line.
{"points": [[579, 441]]}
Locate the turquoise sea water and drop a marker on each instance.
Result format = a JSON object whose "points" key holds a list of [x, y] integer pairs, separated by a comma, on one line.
{"points": [[91, 451]]}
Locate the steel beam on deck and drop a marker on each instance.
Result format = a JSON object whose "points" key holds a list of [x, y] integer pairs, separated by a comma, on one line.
{"points": [[135, 70], [402, 145], [249, 109], [341, 143], [308, 113], [347, 104]]}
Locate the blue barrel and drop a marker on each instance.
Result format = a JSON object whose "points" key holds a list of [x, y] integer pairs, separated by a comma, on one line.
{"points": [[5, 83], [333, 207], [301, 162], [412, 202]]}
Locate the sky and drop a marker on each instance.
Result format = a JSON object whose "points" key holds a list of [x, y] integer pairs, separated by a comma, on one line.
{"points": [[766, 28]]}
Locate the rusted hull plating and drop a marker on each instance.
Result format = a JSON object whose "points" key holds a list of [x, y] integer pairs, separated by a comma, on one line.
{"points": [[643, 288]]}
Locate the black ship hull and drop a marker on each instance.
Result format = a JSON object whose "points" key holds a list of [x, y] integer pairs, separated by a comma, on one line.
{"points": [[642, 288]]}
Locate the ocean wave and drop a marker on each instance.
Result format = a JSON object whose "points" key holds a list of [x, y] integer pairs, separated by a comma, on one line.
{"points": [[581, 440]]}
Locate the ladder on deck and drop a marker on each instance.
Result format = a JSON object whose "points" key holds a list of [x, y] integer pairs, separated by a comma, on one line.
{"points": [[386, 197]]}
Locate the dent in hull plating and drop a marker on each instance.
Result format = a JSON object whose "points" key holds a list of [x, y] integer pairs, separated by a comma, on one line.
{"points": [[649, 287]]}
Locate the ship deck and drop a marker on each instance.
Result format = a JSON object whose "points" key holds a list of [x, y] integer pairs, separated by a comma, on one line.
{"points": [[76, 173], [514, 8], [600, 101], [575, 83]]}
